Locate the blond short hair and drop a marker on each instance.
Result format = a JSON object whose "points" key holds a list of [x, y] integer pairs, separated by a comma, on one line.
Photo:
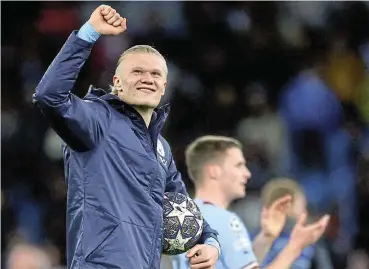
{"points": [[206, 149], [137, 49], [277, 188]]}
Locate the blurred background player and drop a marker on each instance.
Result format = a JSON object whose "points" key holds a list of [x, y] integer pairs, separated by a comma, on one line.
{"points": [[312, 256], [218, 169]]}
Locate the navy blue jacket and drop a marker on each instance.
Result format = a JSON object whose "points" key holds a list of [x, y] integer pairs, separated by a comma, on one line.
{"points": [[116, 169]]}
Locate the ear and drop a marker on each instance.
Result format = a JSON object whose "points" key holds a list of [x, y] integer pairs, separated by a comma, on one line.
{"points": [[117, 81], [165, 86], [213, 171]]}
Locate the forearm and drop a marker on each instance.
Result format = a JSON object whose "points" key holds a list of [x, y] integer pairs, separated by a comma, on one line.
{"points": [[209, 237], [286, 257], [261, 246], [61, 75], [80, 124], [208, 232]]}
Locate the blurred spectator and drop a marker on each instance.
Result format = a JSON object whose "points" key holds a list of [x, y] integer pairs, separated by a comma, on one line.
{"points": [[358, 260], [263, 135], [54, 255], [308, 103], [362, 99], [344, 150], [28, 213], [24, 256], [312, 112], [344, 71], [8, 224], [313, 256]]}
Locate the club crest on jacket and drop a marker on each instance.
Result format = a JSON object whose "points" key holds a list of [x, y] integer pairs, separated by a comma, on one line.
{"points": [[161, 152]]}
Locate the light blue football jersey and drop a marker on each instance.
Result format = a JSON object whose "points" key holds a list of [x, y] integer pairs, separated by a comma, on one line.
{"points": [[236, 246]]}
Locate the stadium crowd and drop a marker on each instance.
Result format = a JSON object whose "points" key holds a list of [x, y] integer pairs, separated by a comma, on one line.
{"points": [[290, 80]]}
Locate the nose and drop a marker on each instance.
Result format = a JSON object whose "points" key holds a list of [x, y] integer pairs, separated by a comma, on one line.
{"points": [[146, 78], [247, 173]]}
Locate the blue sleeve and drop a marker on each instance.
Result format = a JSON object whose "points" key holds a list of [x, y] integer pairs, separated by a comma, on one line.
{"points": [[81, 124], [236, 245], [88, 33], [175, 183], [304, 261]]}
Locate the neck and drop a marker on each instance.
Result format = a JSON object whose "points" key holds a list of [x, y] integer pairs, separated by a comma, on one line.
{"points": [[146, 114], [214, 196]]}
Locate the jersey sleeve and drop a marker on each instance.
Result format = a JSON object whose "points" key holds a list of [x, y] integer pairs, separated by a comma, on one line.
{"points": [[180, 262], [235, 244]]}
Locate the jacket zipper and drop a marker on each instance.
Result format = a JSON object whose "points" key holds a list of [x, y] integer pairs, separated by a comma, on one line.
{"points": [[155, 154], [152, 145]]}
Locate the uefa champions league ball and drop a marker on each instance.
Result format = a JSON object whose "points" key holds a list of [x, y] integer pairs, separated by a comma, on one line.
{"points": [[183, 223]]}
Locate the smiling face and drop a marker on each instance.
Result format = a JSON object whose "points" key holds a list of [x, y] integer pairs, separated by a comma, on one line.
{"points": [[141, 78]]}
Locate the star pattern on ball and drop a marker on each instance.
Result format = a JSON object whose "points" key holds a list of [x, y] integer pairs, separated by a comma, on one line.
{"points": [[189, 227], [177, 244], [167, 207], [183, 223], [181, 213]]}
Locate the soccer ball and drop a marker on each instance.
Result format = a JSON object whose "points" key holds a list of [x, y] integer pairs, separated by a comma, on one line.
{"points": [[183, 223]]}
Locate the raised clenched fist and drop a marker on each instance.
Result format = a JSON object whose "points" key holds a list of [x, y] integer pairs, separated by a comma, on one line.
{"points": [[107, 21]]}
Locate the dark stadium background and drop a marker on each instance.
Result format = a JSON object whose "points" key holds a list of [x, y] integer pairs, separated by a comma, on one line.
{"points": [[289, 79]]}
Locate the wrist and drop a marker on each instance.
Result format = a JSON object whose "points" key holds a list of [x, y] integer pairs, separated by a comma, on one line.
{"points": [[88, 33], [265, 237], [294, 248]]}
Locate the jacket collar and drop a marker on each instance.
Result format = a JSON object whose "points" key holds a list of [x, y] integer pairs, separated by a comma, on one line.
{"points": [[158, 118]]}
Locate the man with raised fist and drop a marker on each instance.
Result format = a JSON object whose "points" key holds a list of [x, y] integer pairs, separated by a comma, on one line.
{"points": [[117, 165]]}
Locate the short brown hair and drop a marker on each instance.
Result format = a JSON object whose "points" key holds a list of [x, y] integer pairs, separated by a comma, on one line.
{"points": [[277, 188], [205, 149]]}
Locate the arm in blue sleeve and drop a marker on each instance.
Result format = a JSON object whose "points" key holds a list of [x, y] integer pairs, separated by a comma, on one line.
{"points": [[81, 124], [212, 242], [175, 184], [88, 33]]}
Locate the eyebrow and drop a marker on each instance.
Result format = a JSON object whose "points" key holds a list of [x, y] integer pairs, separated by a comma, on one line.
{"points": [[153, 70]]}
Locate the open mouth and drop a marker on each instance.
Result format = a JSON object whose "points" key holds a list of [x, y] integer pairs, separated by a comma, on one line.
{"points": [[147, 90]]}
